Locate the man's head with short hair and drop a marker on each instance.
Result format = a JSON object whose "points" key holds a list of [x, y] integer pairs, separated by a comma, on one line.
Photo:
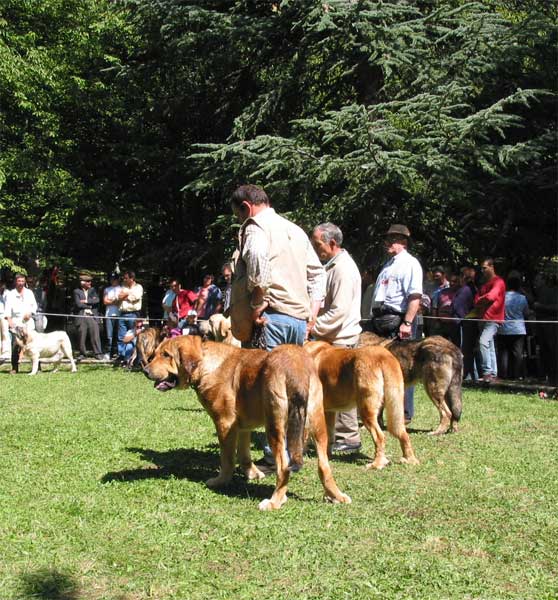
{"points": [[19, 281], [247, 201], [226, 271], [327, 240], [487, 268], [128, 278]]}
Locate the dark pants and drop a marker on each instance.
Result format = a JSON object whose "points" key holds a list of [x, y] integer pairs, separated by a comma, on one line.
{"points": [[510, 345], [15, 354], [469, 342], [89, 326]]}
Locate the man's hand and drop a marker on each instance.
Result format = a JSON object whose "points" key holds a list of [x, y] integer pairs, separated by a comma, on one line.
{"points": [[405, 331], [257, 314], [309, 328], [123, 294]]}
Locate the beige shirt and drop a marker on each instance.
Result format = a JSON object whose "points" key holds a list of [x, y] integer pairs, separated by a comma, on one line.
{"points": [[133, 302], [338, 321], [280, 259]]}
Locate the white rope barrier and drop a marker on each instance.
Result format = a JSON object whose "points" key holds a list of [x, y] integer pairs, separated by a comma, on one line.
{"points": [[473, 320]]}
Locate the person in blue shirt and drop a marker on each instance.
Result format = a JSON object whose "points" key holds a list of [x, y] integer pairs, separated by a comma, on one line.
{"points": [[511, 333]]}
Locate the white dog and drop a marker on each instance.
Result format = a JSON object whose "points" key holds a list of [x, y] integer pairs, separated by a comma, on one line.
{"points": [[220, 330], [55, 345]]}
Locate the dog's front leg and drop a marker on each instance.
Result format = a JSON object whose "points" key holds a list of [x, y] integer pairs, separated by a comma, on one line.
{"points": [[227, 434], [245, 459]]}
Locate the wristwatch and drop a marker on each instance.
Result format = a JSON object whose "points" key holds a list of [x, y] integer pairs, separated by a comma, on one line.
{"points": [[408, 323]]}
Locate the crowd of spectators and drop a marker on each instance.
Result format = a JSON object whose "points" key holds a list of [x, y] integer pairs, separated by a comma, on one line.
{"points": [[505, 327], [103, 321]]}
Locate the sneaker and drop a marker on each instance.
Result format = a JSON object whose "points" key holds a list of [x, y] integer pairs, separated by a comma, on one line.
{"points": [[345, 448], [13, 372], [102, 357]]}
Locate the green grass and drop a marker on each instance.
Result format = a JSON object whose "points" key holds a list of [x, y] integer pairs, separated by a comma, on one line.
{"points": [[102, 497]]}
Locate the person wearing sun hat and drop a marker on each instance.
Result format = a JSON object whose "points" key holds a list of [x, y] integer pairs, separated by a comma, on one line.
{"points": [[397, 294], [86, 302]]}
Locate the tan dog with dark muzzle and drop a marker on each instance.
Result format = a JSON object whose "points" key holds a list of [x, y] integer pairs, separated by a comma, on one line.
{"points": [[245, 389]]}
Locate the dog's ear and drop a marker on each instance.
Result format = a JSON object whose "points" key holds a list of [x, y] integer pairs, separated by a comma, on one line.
{"points": [[188, 353], [225, 327]]}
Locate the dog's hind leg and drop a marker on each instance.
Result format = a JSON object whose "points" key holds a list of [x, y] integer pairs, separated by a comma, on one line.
{"points": [[34, 364], [276, 436], [435, 386], [67, 350], [317, 421], [227, 434], [369, 408], [393, 403], [245, 459]]}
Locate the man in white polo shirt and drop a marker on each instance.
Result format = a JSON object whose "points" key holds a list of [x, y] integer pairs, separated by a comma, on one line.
{"points": [[397, 294], [20, 308]]}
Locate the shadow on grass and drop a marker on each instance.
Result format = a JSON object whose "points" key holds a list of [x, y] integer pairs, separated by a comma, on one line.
{"points": [[191, 464], [48, 584]]}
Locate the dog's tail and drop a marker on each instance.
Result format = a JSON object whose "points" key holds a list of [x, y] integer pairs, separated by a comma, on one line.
{"points": [[394, 390], [296, 419], [453, 395]]}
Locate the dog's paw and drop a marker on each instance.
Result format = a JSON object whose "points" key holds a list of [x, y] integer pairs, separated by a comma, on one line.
{"points": [[343, 499], [217, 482], [379, 463], [267, 504], [253, 473]]}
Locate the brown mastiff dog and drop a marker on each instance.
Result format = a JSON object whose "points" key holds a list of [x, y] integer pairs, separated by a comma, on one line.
{"points": [[437, 363], [244, 389], [367, 378]]}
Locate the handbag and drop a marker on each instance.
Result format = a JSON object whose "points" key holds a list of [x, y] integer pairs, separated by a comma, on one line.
{"points": [[387, 325]]}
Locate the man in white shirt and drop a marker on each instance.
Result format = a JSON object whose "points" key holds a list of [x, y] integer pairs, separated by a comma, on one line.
{"points": [[397, 295], [112, 311], [338, 321], [130, 297], [20, 308]]}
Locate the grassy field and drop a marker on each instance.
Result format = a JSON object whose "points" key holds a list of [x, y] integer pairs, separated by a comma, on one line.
{"points": [[103, 497]]}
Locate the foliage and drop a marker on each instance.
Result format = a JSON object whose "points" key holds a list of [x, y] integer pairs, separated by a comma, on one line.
{"points": [[125, 126], [444, 121], [103, 496]]}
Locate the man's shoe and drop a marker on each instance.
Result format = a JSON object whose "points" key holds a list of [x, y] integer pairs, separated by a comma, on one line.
{"points": [[408, 421], [345, 448], [13, 372]]}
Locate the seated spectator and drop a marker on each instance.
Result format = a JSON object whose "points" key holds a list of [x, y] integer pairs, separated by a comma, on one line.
{"points": [[129, 355], [510, 338], [209, 296], [189, 326]]}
